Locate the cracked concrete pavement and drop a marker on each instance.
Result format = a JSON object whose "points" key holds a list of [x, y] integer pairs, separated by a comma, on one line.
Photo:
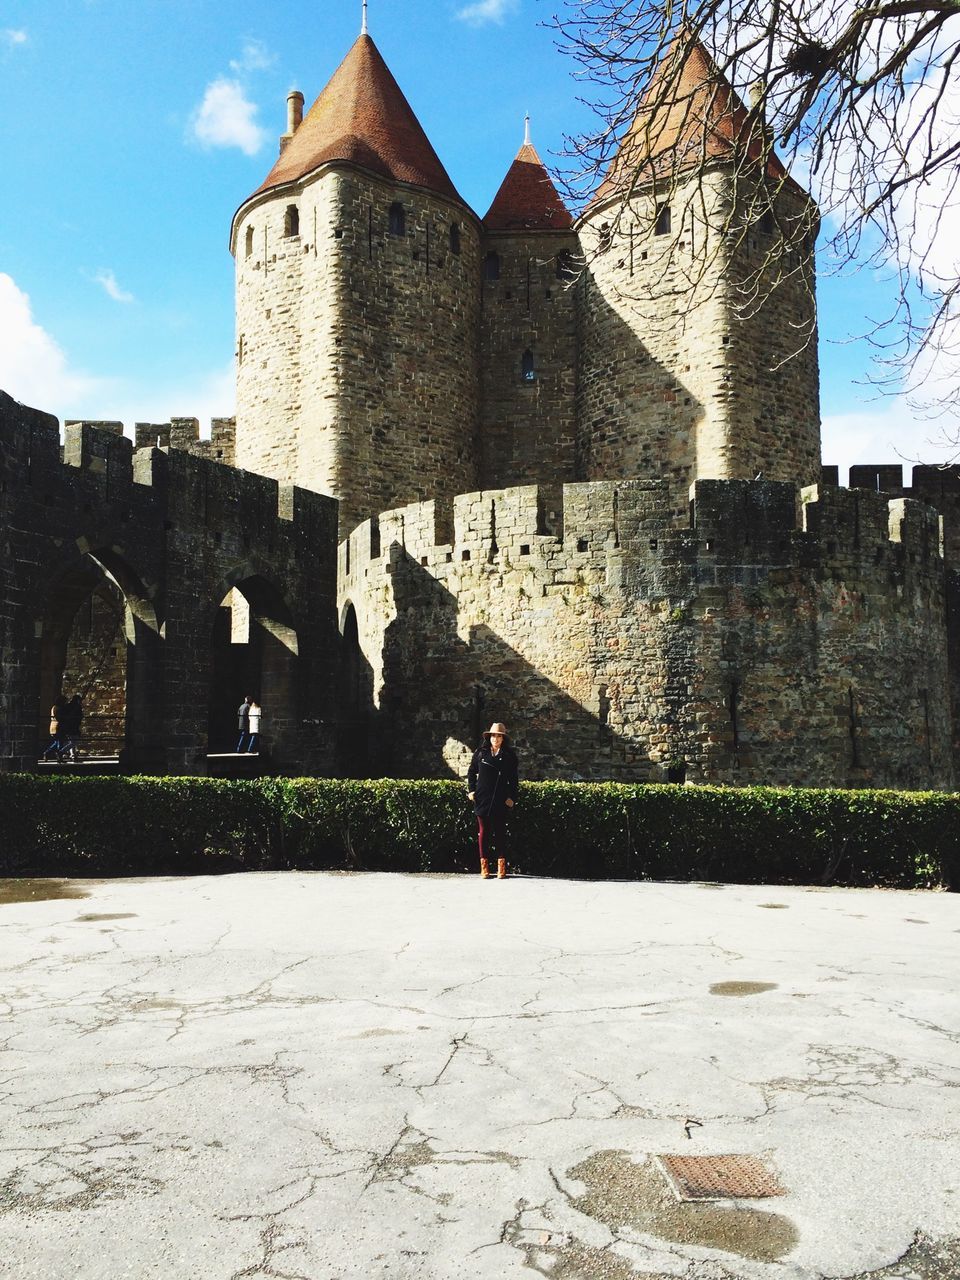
{"points": [[323, 1076]]}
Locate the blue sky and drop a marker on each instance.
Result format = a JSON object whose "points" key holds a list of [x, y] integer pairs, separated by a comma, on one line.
{"points": [[132, 129]]}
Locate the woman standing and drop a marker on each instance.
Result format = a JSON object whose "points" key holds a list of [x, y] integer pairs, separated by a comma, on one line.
{"points": [[492, 786]]}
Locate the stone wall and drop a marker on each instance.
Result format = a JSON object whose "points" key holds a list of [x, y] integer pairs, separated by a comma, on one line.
{"points": [[176, 533], [528, 423], [358, 348], [673, 380], [770, 348], [762, 644]]}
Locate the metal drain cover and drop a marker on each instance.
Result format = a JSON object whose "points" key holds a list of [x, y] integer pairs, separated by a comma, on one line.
{"points": [[719, 1177]]}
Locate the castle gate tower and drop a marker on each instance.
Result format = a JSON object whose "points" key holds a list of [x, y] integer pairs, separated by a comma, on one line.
{"points": [[528, 328], [357, 305], [698, 339]]}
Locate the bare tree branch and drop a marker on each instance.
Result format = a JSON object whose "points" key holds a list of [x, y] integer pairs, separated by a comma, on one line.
{"points": [[861, 102]]}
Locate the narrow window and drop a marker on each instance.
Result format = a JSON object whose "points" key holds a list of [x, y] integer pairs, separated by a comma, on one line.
{"points": [[291, 221], [565, 266], [663, 223], [527, 371], [398, 220], [766, 223], [491, 266], [606, 238], [240, 350], [455, 239], [249, 241]]}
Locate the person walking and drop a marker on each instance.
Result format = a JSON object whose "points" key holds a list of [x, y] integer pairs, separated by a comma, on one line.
{"points": [[71, 722], [56, 741], [492, 783], [243, 723], [253, 720]]}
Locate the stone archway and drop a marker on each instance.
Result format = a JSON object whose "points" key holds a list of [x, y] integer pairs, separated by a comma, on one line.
{"points": [[355, 697], [255, 650], [99, 637]]}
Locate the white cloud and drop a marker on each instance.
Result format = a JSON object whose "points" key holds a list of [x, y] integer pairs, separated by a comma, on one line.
{"points": [[35, 370], [11, 37], [108, 280], [210, 395], [484, 11], [227, 118], [884, 433], [33, 367], [255, 57]]}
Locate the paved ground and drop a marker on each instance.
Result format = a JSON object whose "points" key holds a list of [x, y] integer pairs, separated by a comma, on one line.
{"points": [[329, 1076]]}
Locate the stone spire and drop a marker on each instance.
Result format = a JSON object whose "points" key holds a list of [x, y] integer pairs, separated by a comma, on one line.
{"points": [[689, 115], [527, 199], [362, 118]]}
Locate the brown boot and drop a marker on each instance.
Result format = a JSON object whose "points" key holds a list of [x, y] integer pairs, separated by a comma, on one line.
{"points": [[501, 868], [484, 869]]}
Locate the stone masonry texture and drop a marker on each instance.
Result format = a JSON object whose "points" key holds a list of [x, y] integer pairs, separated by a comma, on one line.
{"points": [[758, 645]]}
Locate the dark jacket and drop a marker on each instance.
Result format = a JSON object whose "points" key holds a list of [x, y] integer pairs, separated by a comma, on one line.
{"points": [[243, 716], [71, 717], [493, 779]]}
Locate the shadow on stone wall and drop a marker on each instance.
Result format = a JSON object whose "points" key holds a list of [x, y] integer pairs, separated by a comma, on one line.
{"points": [[636, 417], [441, 690]]}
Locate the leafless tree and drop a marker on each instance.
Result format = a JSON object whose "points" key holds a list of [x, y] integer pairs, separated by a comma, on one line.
{"points": [[861, 102]]}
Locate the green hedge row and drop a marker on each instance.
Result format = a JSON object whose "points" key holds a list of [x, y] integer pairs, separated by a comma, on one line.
{"points": [[94, 827]]}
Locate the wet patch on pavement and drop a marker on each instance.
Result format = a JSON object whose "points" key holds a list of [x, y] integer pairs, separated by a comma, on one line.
{"points": [[623, 1194], [574, 1260], [39, 890], [113, 915], [741, 988]]}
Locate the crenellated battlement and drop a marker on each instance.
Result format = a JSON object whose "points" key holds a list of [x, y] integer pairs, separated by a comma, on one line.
{"points": [[759, 523], [184, 434], [98, 468]]}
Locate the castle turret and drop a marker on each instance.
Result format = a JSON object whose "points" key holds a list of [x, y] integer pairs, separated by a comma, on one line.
{"points": [[357, 306], [698, 351], [528, 330]]}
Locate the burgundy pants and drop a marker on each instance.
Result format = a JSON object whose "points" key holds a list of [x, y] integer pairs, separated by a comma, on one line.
{"points": [[492, 835]]}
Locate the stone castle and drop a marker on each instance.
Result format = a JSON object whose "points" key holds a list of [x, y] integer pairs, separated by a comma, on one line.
{"points": [[522, 467]]}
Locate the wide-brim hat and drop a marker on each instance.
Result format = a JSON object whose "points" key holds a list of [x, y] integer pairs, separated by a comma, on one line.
{"points": [[496, 727]]}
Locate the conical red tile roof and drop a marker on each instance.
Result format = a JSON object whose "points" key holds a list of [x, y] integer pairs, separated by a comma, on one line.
{"points": [[690, 114], [527, 199], [362, 117]]}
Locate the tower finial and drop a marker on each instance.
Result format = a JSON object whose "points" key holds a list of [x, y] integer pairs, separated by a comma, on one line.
{"points": [[363, 26], [526, 130]]}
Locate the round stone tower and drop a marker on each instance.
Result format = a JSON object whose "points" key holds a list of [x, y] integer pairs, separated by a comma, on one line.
{"points": [[357, 304], [698, 338], [528, 330]]}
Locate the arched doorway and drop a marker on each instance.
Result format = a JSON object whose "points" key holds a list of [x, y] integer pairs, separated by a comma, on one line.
{"points": [[356, 699], [255, 650], [98, 639]]}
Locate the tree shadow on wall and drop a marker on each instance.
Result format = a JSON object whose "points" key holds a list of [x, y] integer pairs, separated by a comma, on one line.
{"points": [[441, 691], [639, 419]]}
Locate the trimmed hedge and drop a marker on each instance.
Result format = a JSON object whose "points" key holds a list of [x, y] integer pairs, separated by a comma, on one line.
{"points": [[92, 827]]}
